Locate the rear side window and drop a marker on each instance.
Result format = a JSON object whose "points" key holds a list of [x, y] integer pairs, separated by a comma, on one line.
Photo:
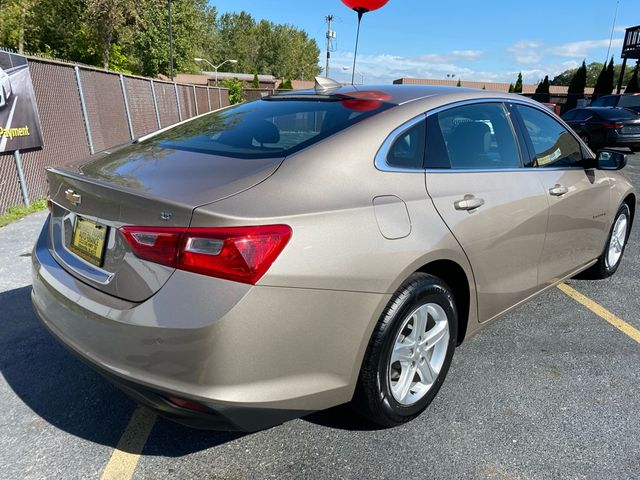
{"points": [[582, 115], [270, 127], [553, 145], [478, 136], [407, 150]]}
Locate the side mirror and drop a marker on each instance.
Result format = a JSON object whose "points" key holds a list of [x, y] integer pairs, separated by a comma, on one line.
{"points": [[611, 160]]}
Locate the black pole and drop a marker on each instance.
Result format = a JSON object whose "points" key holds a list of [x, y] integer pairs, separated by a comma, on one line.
{"points": [[361, 12], [170, 43], [621, 79]]}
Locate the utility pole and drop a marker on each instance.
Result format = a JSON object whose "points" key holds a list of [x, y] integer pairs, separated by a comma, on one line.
{"points": [[170, 43], [330, 36]]}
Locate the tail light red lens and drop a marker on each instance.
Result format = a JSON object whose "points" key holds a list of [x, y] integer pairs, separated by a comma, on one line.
{"points": [[242, 254], [613, 125]]}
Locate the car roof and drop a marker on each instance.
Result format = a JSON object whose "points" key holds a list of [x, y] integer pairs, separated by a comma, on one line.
{"points": [[398, 94]]}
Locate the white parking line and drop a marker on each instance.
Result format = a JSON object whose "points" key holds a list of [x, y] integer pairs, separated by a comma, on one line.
{"points": [[3, 141]]}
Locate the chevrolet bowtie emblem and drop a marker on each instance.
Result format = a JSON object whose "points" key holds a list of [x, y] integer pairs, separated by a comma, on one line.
{"points": [[73, 197]]}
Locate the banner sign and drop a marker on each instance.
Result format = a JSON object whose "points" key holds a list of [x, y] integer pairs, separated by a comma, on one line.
{"points": [[19, 120], [631, 47]]}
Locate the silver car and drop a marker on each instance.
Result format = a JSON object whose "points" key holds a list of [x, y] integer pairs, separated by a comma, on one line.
{"points": [[320, 247], [5, 88]]}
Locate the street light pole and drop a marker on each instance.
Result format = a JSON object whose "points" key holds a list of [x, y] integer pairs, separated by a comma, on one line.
{"points": [[170, 43], [215, 68]]}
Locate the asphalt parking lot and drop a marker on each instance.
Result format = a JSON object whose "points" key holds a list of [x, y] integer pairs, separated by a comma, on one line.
{"points": [[550, 391]]}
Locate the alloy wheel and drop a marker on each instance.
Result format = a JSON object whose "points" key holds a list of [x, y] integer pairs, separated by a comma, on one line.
{"points": [[419, 353]]}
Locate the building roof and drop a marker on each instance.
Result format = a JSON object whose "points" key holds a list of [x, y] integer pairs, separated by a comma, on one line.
{"points": [[245, 77], [495, 86]]}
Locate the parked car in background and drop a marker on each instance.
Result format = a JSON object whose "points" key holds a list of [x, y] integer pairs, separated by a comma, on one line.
{"points": [[626, 100], [553, 107], [601, 127], [5, 88], [319, 247]]}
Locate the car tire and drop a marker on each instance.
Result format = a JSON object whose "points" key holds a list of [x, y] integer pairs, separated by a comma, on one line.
{"points": [[404, 359], [611, 257]]}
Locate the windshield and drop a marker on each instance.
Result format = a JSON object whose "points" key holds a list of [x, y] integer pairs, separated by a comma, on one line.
{"points": [[271, 127]]}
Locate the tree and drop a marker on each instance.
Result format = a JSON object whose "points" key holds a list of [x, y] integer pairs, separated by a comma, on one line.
{"points": [[518, 86], [484, 87], [579, 81], [286, 85], [256, 81], [633, 86], [107, 19], [459, 84], [543, 91], [604, 84], [593, 71], [511, 88], [235, 90]]}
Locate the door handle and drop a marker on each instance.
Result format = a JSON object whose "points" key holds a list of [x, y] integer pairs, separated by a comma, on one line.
{"points": [[558, 190], [468, 203]]}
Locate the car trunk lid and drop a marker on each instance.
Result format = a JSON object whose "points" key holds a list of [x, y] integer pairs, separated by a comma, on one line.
{"points": [[138, 185]]}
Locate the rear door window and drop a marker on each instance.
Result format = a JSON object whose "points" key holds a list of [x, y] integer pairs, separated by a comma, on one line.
{"points": [[477, 136], [553, 145]]}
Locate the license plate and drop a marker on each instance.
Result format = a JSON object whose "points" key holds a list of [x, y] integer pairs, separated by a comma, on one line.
{"points": [[631, 129], [88, 240]]}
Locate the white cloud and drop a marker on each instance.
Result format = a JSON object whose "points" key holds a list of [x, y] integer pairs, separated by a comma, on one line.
{"points": [[584, 48], [526, 52]]}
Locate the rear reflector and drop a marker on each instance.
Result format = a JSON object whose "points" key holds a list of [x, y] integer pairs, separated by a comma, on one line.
{"points": [[189, 405], [241, 254]]}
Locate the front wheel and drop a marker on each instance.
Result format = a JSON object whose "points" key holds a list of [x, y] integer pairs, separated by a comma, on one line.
{"points": [[409, 353], [610, 259]]}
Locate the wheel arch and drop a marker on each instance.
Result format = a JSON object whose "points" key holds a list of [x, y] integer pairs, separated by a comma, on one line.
{"points": [[630, 200], [456, 279]]}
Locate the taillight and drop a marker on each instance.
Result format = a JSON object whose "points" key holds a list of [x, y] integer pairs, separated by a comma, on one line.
{"points": [[242, 254], [613, 125]]}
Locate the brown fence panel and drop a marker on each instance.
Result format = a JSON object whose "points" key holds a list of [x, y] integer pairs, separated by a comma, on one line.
{"points": [[140, 98], [201, 97], [256, 93], [64, 134], [224, 92], [167, 103], [10, 194], [187, 102], [105, 109]]}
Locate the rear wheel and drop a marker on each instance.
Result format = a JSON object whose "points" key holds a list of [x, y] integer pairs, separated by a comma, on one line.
{"points": [[409, 353], [610, 259]]}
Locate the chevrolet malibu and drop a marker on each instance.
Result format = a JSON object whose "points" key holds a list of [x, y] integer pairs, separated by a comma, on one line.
{"points": [[319, 247]]}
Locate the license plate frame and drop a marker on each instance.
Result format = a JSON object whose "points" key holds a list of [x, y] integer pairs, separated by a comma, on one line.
{"points": [[89, 240]]}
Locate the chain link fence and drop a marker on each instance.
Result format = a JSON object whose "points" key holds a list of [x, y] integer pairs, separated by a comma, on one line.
{"points": [[84, 110]]}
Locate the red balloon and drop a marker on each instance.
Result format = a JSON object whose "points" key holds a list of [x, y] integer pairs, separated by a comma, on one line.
{"points": [[364, 5]]}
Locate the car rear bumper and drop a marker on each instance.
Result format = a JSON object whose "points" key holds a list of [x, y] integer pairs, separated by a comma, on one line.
{"points": [[617, 140], [255, 356]]}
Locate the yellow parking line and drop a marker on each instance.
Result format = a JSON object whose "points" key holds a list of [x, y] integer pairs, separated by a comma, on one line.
{"points": [[125, 457], [601, 312]]}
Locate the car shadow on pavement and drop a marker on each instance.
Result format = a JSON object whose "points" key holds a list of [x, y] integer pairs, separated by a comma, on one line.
{"points": [[68, 394], [341, 417]]}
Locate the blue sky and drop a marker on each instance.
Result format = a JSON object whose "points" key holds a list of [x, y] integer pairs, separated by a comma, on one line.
{"points": [[476, 40]]}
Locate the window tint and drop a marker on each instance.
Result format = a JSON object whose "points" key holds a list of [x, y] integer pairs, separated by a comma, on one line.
{"points": [[472, 136], [408, 149], [270, 127], [608, 101], [629, 101], [552, 143]]}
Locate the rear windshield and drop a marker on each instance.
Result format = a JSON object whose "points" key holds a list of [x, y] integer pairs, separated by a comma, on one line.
{"points": [[629, 101], [270, 127]]}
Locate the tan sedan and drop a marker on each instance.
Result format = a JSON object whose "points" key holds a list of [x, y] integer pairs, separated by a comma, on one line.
{"points": [[319, 247]]}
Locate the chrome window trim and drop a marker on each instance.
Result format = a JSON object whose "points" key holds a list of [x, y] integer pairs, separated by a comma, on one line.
{"points": [[381, 157]]}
